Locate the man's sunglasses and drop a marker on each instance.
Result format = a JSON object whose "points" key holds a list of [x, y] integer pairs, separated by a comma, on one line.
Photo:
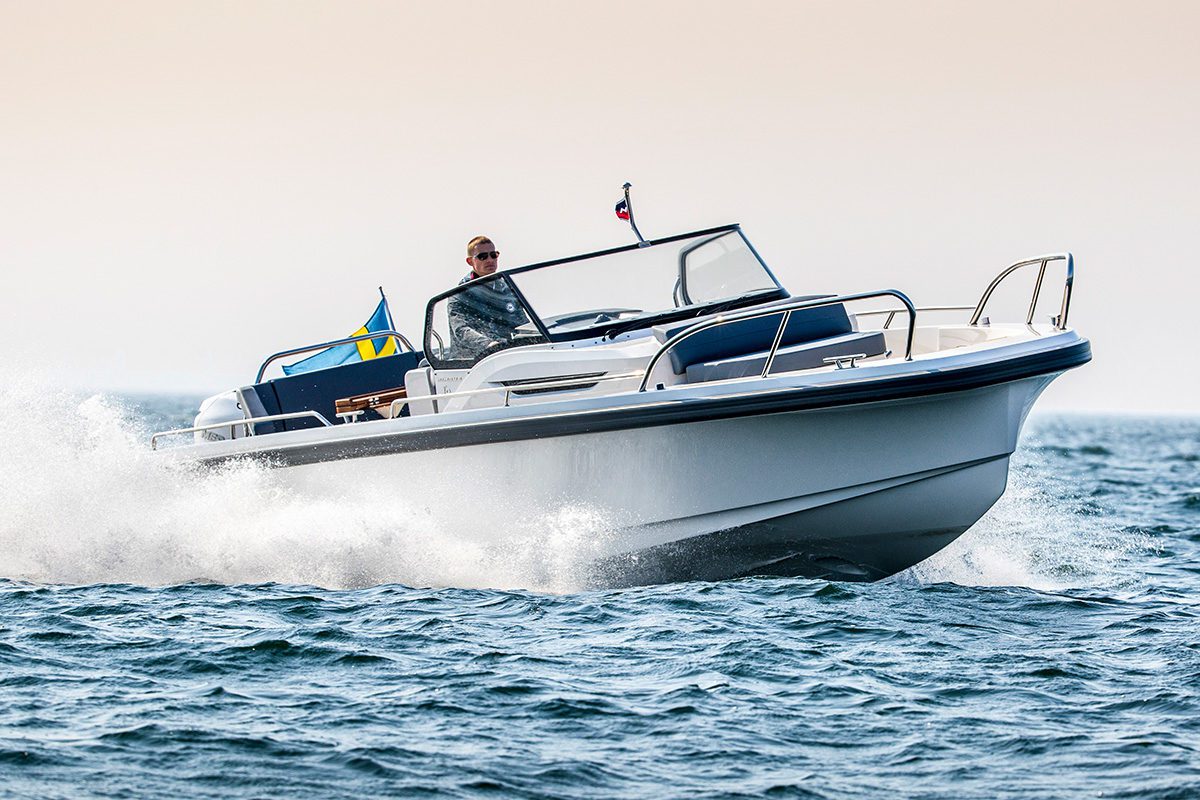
{"points": [[485, 255]]}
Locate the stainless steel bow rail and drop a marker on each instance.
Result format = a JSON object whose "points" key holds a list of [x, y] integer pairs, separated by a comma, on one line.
{"points": [[1060, 321], [785, 309], [295, 351], [249, 422]]}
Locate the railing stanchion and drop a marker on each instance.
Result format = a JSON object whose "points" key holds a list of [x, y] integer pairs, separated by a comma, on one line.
{"points": [[1066, 301], [787, 315], [1037, 291]]}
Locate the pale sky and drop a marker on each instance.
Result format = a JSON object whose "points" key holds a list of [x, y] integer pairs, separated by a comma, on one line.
{"points": [[186, 187]]}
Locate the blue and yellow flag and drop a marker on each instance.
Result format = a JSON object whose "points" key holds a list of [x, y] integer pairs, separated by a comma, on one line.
{"points": [[363, 350]]}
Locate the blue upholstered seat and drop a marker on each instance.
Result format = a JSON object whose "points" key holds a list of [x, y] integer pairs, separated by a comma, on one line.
{"points": [[753, 335], [798, 356]]}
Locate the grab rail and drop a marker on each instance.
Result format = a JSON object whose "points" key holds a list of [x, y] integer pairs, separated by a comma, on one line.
{"points": [[786, 310], [892, 312], [347, 340], [1060, 322], [249, 422]]}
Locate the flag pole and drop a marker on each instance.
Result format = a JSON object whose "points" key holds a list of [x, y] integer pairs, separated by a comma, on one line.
{"points": [[387, 309], [629, 207]]}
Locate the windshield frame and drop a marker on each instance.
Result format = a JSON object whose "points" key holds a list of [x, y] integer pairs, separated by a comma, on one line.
{"points": [[665, 315]]}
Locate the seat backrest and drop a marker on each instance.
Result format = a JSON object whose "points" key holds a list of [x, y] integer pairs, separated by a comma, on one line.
{"points": [[259, 401], [753, 335]]}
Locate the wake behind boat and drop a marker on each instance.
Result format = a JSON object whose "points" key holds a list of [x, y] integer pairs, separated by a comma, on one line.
{"points": [[718, 425]]}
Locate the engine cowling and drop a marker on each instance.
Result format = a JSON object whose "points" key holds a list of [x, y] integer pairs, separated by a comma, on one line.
{"points": [[223, 407]]}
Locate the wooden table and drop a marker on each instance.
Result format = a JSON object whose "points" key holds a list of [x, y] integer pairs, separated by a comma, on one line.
{"points": [[350, 408]]}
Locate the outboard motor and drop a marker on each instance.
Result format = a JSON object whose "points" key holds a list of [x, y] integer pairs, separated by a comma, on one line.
{"points": [[222, 407]]}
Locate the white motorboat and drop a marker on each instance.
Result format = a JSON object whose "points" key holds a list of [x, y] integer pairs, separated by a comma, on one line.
{"points": [[719, 426]]}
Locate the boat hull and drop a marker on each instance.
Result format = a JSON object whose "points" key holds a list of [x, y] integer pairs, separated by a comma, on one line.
{"points": [[882, 531], [853, 492]]}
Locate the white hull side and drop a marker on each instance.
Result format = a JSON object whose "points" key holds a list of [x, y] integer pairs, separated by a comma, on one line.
{"points": [[864, 490]]}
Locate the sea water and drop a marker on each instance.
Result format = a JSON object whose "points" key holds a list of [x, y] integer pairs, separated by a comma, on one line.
{"points": [[169, 632]]}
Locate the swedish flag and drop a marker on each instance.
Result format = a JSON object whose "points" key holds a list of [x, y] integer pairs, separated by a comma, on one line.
{"points": [[363, 350]]}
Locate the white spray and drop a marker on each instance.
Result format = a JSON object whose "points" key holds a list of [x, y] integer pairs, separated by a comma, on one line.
{"points": [[84, 500]]}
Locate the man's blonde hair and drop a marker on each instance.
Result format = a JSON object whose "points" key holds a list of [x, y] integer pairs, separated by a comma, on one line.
{"points": [[478, 240]]}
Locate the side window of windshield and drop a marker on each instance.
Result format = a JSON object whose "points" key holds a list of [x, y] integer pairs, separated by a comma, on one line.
{"points": [[439, 347], [720, 268], [475, 322]]}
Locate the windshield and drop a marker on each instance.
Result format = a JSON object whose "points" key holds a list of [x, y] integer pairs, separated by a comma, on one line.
{"points": [[590, 294], [593, 295]]}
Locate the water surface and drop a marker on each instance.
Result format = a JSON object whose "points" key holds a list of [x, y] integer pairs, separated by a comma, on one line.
{"points": [[163, 634]]}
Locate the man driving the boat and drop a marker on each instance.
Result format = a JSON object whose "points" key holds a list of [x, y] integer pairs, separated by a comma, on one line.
{"points": [[484, 318]]}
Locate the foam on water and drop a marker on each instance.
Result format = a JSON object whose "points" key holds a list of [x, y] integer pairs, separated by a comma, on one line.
{"points": [[1034, 537], [86, 501]]}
